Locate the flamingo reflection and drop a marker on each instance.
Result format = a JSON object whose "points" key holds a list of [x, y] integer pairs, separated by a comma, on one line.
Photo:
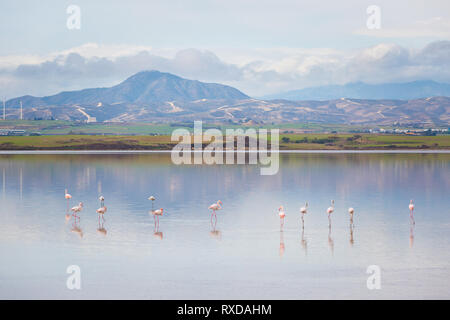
{"points": [[330, 240], [101, 228], [214, 233], [158, 235], [352, 241], [282, 246], [76, 228], [304, 242], [411, 235]]}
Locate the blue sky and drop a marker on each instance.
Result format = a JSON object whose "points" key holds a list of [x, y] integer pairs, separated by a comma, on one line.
{"points": [[261, 47]]}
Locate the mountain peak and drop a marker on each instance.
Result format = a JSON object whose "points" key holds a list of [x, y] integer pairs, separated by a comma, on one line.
{"points": [[142, 88]]}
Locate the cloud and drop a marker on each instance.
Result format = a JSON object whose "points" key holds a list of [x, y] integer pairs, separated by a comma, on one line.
{"points": [[436, 27], [257, 72]]}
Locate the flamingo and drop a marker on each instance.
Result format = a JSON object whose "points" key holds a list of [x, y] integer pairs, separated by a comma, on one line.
{"points": [[215, 207], [351, 211], [282, 214], [153, 199], [411, 210], [102, 210], [156, 214], [76, 209], [68, 196], [102, 201], [330, 211], [303, 211]]}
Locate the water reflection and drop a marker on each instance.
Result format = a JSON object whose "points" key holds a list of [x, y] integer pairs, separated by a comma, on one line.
{"points": [[304, 242], [352, 241], [76, 228], [330, 240], [158, 234], [411, 235], [214, 233], [282, 246], [378, 186]]}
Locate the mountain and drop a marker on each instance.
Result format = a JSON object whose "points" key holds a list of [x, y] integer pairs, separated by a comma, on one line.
{"points": [[152, 96], [360, 90], [142, 88]]}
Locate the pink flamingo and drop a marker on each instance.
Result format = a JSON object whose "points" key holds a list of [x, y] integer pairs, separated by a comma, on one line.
{"points": [[351, 211], [68, 197], [156, 214], [215, 207], [411, 210], [330, 211], [282, 214], [303, 211], [76, 209], [102, 210]]}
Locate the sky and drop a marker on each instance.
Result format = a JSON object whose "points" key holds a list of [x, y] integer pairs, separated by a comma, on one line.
{"points": [[258, 46]]}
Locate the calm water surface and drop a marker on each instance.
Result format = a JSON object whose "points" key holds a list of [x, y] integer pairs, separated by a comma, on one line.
{"points": [[244, 255]]}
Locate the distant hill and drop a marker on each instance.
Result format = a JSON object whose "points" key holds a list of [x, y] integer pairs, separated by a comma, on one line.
{"points": [[142, 88], [153, 96], [360, 90]]}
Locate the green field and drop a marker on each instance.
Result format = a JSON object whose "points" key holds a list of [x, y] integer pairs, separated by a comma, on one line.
{"points": [[287, 142], [58, 127]]}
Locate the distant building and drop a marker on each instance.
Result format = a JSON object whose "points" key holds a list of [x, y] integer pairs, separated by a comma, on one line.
{"points": [[12, 132]]}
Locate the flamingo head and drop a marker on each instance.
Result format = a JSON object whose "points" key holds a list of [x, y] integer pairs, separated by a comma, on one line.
{"points": [[65, 191], [306, 205], [80, 204], [411, 201], [332, 203], [280, 208], [161, 210], [219, 202]]}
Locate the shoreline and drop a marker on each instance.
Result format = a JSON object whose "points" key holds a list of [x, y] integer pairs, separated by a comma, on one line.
{"points": [[287, 143], [374, 151]]}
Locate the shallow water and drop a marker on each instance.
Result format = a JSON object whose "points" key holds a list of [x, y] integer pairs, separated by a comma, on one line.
{"points": [[245, 256]]}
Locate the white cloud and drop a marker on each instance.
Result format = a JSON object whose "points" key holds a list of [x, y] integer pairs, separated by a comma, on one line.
{"points": [[255, 71], [436, 27]]}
